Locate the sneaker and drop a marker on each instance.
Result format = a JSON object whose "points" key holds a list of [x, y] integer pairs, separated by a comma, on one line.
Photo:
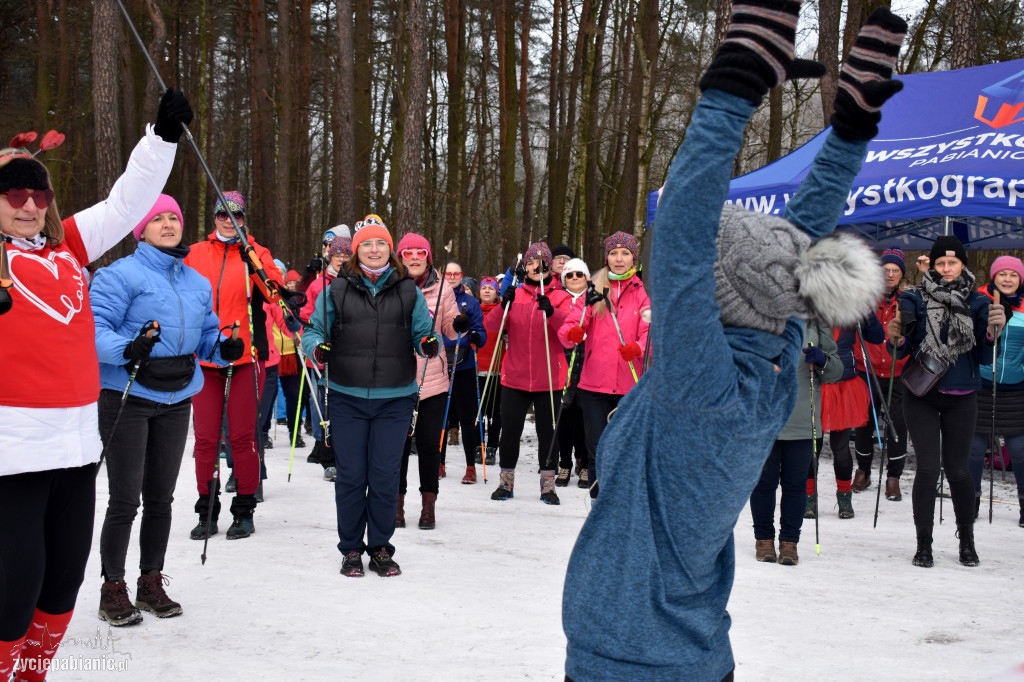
{"points": [[199, 532], [562, 479], [241, 528], [352, 566], [440, 471], [258, 495], [268, 444], [550, 497], [812, 501], [382, 564], [845, 504], [470, 477], [150, 596], [505, 488], [491, 456], [232, 484], [115, 606], [787, 554], [584, 480], [331, 474], [764, 550]]}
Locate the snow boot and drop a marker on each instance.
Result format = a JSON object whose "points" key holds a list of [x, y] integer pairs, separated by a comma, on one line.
{"points": [[242, 508], [115, 606], [427, 521], [764, 550], [202, 507], [845, 504], [861, 480], [787, 554], [491, 456], [968, 555], [382, 564], [812, 501], [314, 455], [547, 487], [352, 566], [562, 480], [923, 557], [505, 488], [892, 489], [400, 512], [331, 474], [232, 484], [584, 480], [150, 596], [470, 477]]}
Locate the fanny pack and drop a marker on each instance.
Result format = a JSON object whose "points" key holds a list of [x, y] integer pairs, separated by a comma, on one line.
{"points": [[166, 374], [922, 372]]}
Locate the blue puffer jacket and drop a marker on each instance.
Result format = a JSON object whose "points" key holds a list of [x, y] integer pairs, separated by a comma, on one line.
{"points": [[153, 285], [476, 322]]}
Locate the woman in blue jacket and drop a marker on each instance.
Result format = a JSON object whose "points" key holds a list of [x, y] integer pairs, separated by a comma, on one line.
{"points": [[145, 445]]}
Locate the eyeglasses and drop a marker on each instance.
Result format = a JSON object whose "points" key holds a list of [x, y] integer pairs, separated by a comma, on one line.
{"points": [[415, 254], [223, 215], [40, 197], [561, 259], [892, 271], [570, 275], [453, 275]]}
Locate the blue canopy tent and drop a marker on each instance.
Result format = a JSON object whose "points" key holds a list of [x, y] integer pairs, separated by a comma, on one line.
{"points": [[949, 158]]}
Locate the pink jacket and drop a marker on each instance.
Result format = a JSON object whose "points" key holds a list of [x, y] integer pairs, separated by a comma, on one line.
{"points": [[604, 370], [274, 317], [436, 379], [523, 366], [312, 291]]}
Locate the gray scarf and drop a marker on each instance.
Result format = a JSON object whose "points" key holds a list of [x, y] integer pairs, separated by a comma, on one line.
{"points": [[946, 307]]}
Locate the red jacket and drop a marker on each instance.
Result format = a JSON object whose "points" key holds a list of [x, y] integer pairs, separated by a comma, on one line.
{"points": [[881, 360], [524, 367], [484, 355]]}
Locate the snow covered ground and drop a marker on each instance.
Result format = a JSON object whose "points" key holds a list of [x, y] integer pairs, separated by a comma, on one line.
{"points": [[480, 596]]}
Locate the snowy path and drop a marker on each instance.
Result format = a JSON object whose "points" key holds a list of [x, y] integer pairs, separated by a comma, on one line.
{"points": [[480, 596]]}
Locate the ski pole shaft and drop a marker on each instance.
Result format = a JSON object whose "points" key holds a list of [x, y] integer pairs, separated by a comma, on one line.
{"points": [[297, 422], [150, 329], [993, 443], [884, 429], [814, 451], [451, 385], [213, 487], [547, 348], [501, 328]]}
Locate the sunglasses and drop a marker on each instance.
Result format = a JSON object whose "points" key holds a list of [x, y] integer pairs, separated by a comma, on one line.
{"points": [[17, 197], [223, 215], [570, 275], [414, 254], [453, 275]]}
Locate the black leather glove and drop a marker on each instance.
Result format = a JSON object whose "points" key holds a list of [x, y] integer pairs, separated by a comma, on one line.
{"points": [[173, 111], [430, 346], [140, 347], [593, 295], [321, 352], [520, 271], [476, 339], [544, 303], [461, 323], [508, 296], [231, 349], [292, 298], [315, 266]]}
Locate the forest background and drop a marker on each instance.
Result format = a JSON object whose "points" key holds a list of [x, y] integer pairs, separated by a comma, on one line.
{"points": [[480, 121]]}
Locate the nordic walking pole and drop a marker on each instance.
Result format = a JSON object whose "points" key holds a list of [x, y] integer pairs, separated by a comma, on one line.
{"points": [[814, 451], [451, 385], [568, 382], [213, 487], [547, 348], [501, 328], [993, 443], [298, 421], [433, 326], [645, 316], [618, 330], [150, 329], [888, 431], [483, 456]]}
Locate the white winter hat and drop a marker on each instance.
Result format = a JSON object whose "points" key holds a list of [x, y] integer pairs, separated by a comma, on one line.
{"points": [[575, 265], [337, 231]]}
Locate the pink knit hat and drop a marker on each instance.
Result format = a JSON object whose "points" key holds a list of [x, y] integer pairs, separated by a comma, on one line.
{"points": [[412, 240], [163, 203], [1007, 263]]}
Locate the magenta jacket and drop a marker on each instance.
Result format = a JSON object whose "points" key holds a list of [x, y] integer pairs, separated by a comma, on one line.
{"points": [[523, 366]]}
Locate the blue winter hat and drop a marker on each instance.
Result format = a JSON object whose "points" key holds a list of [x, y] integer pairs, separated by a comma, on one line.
{"points": [[896, 257]]}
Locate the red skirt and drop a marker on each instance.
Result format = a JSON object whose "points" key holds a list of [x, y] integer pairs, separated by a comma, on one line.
{"points": [[844, 405]]}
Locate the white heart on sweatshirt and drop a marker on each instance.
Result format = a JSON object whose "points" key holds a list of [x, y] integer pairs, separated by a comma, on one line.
{"points": [[71, 286]]}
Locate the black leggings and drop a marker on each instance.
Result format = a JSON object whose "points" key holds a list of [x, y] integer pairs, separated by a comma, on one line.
{"points": [[491, 410], [596, 408], [428, 442], [842, 460], [45, 536], [514, 404], [572, 436], [953, 417], [464, 407]]}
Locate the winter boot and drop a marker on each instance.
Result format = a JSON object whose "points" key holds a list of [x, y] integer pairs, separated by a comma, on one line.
{"points": [[232, 484], [440, 471], [584, 480], [491, 456], [202, 508], [923, 557], [427, 521], [314, 455], [453, 435], [116, 607], [470, 476], [400, 512], [861, 480], [892, 489], [787, 554], [150, 596], [352, 566], [382, 564], [299, 441], [242, 508], [331, 474], [505, 488], [809, 508], [562, 480], [968, 556], [845, 504], [764, 550], [547, 487]]}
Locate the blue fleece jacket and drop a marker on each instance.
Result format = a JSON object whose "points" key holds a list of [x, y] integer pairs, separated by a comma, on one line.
{"points": [[650, 575], [476, 324], [153, 285]]}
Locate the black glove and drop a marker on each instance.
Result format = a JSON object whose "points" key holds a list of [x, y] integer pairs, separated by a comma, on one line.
{"points": [[292, 298], [508, 296], [430, 346], [593, 295], [814, 356], [173, 111], [315, 266], [140, 347], [544, 303], [231, 349], [520, 271], [293, 323], [321, 352], [476, 339], [461, 323]]}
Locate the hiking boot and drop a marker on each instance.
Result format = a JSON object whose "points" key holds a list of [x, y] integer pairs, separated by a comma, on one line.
{"points": [[968, 555], [809, 508], [400, 512], [470, 476], [150, 595], [199, 532], [242, 508], [892, 489], [562, 479], [115, 606], [232, 484], [440, 471], [861, 480], [299, 441], [453, 435], [845, 504], [427, 521], [787, 553], [314, 455], [547, 487], [352, 566], [202, 508], [505, 488], [268, 444], [583, 481], [764, 550], [241, 528], [381, 562], [331, 474], [491, 456], [923, 556]]}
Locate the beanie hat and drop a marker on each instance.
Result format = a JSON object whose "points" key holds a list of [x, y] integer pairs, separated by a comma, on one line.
{"points": [[538, 251], [575, 265], [562, 250], [340, 246], [1007, 263], [623, 239], [337, 231], [371, 227], [292, 276], [236, 203], [163, 203], [489, 282], [413, 240], [280, 266], [767, 271], [23, 172], [944, 245], [896, 257]]}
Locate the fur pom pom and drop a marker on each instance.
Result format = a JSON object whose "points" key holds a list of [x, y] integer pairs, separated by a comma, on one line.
{"points": [[840, 279]]}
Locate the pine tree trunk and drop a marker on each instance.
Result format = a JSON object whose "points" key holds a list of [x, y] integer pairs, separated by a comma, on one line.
{"points": [[344, 132], [828, 54], [407, 209], [964, 51], [105, 33]]}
